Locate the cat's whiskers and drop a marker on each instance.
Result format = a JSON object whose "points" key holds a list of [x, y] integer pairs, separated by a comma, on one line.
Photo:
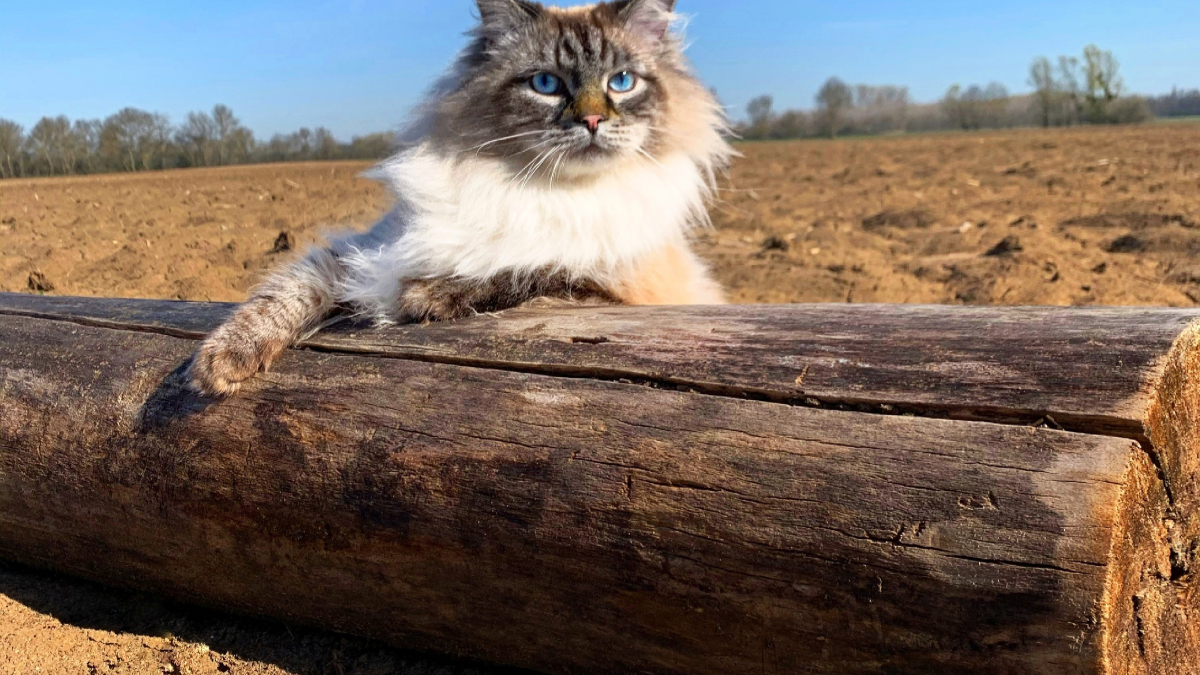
{"points": [[479, 148], [649, 157], [518, 174], [524, 150], [554, 169], [535, 146], [536, 159], [557, 166], [530, 176]]}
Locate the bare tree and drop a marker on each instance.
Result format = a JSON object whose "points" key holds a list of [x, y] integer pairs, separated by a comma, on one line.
{"points": [[240, 145], [955, 108], [833, 101], [976, 107], [1068, 84], [197, 136], [1103, 82], [12, 139], [371, 146], [790, 124], [131, 138], [995, 106], [72, 149], [1045, 88], [325, 146], [760, 111], [48, 139], [880, 109], [224, 123], [87, 141], [155, 137], [235, 143]]}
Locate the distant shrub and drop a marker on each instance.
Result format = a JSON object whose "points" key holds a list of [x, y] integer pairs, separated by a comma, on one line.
{"points": [[1130, 110]]}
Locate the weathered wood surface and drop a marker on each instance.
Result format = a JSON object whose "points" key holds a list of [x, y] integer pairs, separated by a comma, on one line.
{"points": [[493, 489], [1090, 369]]}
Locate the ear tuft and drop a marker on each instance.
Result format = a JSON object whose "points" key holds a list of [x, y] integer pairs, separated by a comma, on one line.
{"points": [[648, 18], [498, 17]]}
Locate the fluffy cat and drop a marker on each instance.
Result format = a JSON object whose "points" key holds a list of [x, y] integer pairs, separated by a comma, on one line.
{"points": [[567, 153]]}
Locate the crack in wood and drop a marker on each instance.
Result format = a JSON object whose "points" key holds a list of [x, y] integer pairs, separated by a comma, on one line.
{"points": [[1103, 425], [1141, 625]]}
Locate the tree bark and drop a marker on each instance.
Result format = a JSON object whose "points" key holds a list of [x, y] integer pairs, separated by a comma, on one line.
{"points": [[790, 489]]}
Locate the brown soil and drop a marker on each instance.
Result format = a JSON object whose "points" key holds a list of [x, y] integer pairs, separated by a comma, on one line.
{"points": [[1086, 216], [1078, 217], [204, 234]]}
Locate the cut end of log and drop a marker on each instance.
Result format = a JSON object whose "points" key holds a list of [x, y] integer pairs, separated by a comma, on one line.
{"points": [[1152, 602], [1144, 613]]}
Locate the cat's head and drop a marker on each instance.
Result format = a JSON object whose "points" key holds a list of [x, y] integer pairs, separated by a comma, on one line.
{"points": [[573, 91]]}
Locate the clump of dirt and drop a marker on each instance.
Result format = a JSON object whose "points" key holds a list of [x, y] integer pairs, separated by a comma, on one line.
{"points": [[1126, 243], [283, 243], [912, 219], [773, 243], [1131, 221], [38, 283], [1006, 246]]}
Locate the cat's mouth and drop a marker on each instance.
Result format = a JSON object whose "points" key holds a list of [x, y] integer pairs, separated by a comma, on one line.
{"points": [[594, 149]]}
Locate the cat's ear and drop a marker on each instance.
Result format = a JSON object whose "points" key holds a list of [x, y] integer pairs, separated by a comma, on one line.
{"points": [[498, 17], [649, 18]]}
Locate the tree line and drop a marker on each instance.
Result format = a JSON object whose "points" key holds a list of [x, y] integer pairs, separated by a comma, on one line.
{"points": [[1087, 90], [1178, 103], [137, 140]]}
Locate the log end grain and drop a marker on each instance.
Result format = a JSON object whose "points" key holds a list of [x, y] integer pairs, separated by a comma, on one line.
{"points": [[1141, 626], [1152, 601]]}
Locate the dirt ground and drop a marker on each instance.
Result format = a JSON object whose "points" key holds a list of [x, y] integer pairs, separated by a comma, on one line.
{"points": [[1083, 216]]}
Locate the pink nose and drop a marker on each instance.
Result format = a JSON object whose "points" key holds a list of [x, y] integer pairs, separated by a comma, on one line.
{"points": [[592, 122]]}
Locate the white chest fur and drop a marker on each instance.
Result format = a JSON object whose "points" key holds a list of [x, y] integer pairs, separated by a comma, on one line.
{"points": [[470, 218]]}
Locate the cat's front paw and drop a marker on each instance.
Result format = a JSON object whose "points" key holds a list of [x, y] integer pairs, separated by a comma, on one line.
{"points": [[227, 358]]}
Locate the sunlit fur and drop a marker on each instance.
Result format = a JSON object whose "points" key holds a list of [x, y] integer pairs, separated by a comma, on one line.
{"points": [[497, 181]]}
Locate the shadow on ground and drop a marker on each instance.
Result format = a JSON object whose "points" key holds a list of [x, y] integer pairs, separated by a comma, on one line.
{"points": [[236, 644]]}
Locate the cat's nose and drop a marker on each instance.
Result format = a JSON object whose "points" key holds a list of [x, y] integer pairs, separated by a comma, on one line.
{"points": [[592, 122]]}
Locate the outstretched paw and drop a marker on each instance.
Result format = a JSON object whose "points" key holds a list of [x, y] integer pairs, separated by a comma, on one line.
{"points": [[228, 357]]}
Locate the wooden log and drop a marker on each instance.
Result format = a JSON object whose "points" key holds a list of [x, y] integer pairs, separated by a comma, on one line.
{"points": [[837, 489]]}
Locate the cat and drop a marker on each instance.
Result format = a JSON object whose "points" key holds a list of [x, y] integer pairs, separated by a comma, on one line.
{"points": [[567, 153]]}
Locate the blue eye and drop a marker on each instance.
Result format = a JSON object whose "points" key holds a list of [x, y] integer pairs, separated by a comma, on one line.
{"points": [[622, 82], [546, 84]]}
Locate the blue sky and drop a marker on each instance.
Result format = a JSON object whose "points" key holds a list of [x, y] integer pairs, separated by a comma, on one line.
{"points": [[357, 66]]}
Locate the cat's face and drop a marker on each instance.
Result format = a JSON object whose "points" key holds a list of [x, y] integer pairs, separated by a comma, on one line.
{"points": [[567, 91]]}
